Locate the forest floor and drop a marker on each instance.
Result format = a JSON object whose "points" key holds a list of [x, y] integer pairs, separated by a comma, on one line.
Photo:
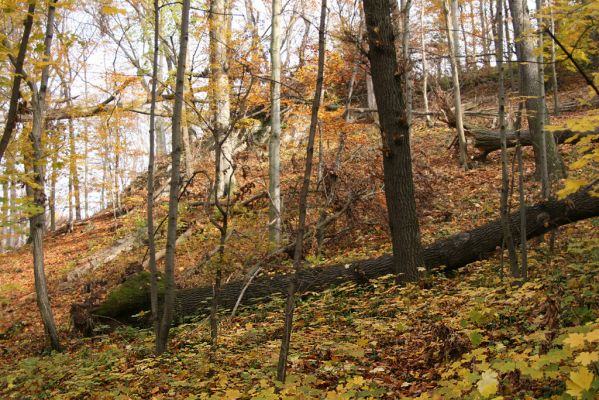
{"points": [[478, 334]]}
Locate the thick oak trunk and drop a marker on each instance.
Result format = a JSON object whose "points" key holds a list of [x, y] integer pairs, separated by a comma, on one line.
{"points": [[453, 252]]}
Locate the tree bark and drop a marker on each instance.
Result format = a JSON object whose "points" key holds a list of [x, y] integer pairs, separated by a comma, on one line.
{"points": [[303, 200], [488, 140], [220, 100], [505, 179], [530, 89], [274, 144], [446, 254], [150, 183], [554, 87], [450, 21], [15, 94], [37, 219], [390, 88], [429, 121], [173, 205]]}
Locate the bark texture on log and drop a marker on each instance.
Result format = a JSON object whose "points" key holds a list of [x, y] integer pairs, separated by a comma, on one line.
{"points": [[453, 252], [487, 140]]}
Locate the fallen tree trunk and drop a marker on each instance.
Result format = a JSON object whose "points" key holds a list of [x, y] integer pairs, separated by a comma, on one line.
{"points": [[487, 140], [453, 252]]}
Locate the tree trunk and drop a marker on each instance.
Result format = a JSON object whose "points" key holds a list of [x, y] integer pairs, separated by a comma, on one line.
{"points": [[429, 121], [274, 145], [173, 205], [488, 140], [220, 100], [485, 33], [15, 94], [505, 179], [530, 89], [150, 183], [390, 89], [553, 62], [452, 252], [37, 220], [450, 21], [303, 200]]}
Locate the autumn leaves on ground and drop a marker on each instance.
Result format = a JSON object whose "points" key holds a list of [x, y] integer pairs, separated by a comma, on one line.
{"points": [[476, 334]]}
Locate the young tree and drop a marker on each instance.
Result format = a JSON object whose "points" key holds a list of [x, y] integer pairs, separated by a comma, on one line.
{"points": [[389, 89], [505, 179], [150, 196], [173, 205], [274, 158], [15, 93], [429, 121], [452, 35], [37, 220], [303, 200]]}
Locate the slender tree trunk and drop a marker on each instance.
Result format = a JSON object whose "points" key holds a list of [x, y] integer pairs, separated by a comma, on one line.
{"points": [[429, 121], [370, 98], [37, 220], [15, 94], [220, 99], [485, 33], [150, 194], [169, 268], [393, 108], [545, 183], [73, 170], [53, 178], [4, 217], [508, 46], [160, 123], [450, 19], [85, 150], [554, 87], [457, 12], [545, 150], [274, 158], [505, 179], [303, 201]]}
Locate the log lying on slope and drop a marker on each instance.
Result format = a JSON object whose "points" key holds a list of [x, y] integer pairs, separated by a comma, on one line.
{"points": [[453, 252], [488, 140]]}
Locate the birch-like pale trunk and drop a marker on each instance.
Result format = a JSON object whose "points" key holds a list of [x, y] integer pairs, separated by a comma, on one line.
{"points": [[220, 93], [429, 121], [452, 34], [274, 144]]}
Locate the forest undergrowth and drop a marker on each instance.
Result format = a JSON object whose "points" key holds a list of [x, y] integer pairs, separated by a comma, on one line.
{"points": [[475, 334]]}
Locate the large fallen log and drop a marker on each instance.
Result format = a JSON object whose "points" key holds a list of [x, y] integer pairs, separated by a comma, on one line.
{"points": [[453, 252], [488, 140]]}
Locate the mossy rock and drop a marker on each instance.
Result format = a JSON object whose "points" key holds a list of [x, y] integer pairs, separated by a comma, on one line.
{"points": [[130, 297]]}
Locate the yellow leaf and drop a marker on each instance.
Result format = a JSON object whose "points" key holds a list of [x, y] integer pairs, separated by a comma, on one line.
{"points": [[109, 10], [356, 381], [579, 381], [488, 384], [592, 336], [575, 340], [586, 358], [570, 186], [232, 394]]}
